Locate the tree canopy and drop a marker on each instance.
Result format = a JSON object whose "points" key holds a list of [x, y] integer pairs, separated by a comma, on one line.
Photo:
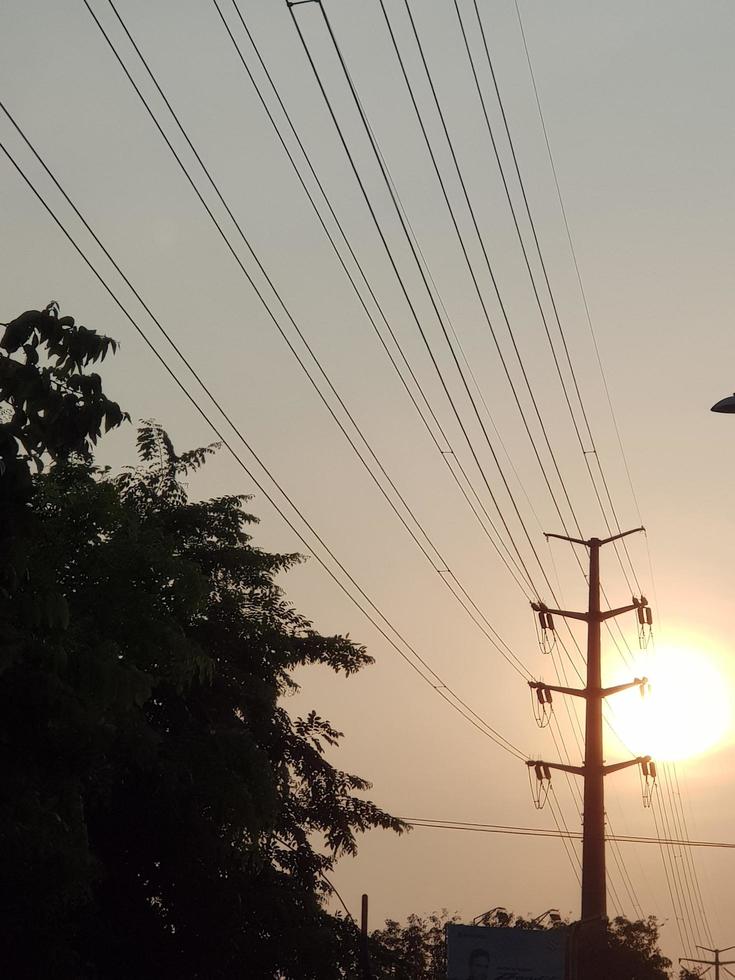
{"points": [[161, 813], [417, 949]]}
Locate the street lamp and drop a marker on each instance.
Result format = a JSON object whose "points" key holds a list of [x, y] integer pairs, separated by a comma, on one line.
{"points": [[553, 915], [486, 915], [725, 405]]}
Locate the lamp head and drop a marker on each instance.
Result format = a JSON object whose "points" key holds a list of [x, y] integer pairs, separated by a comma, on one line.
{"points": [[726, 405]]}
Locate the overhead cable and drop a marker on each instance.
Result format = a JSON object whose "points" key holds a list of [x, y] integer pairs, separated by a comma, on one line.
{"points": [[576, 267], [489, 828], [448, 455], [414, 660], [412, 247], [441, 568]]}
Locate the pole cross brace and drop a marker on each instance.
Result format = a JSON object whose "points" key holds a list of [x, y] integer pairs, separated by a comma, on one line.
{"points": [[636, 682], [575, 691], [565, 613], [586, 617], [606, 770], [595, 541], [581, 770], [579, 692], [577, 770]]}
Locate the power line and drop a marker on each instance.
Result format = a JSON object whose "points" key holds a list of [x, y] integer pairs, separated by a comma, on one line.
{"points": [[698, 917], [412, 247], [446, 455], [670, 884], [438, 685], [465, 254], [519, 235], [489, 828], [406, 230], [442, 569], [690, 856], [447, 200], [564, 835], [576, 266], [468, 262], [224, 203], [550, 291], [677, 870], [418, 664], [332, 887], [622, 869]]}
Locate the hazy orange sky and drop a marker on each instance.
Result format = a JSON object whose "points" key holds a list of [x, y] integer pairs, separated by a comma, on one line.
{"points": [[638, 104]]}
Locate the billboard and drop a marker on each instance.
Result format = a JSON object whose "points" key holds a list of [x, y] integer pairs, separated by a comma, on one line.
{"points": [[483, 953]]}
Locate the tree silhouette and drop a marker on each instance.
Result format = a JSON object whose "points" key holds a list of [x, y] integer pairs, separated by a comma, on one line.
{"points": [[161, 813], [417, 950]]}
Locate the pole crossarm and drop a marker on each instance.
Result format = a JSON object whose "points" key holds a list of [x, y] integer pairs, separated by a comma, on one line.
{"points": [[567, 614], [577, 692], [581, 770], [563, 537], [611, 613], [587, 617], [636, 682], [597, 541], [617, 766], [623, 534], [577, 770], [581, 692]]}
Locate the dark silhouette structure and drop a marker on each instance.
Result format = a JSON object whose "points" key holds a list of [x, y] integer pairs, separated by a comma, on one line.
{"points": [[594, 896]]}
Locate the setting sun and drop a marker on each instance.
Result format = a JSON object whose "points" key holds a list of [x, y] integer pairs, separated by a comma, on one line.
{"points": [[684, 712]]}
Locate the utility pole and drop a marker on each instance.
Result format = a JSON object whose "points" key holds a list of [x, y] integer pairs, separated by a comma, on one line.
{"points": [[716, 962], [365, 968], [593, 772]]}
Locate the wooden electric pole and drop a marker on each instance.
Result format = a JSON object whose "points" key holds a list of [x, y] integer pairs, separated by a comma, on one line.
{"points": [[716, 962], [593, 772]]}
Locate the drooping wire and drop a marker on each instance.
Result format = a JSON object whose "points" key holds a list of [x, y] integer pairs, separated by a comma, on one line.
{"points": [[713, 905], [394, 198], [446, 454], [671, 885], [623, 870], [465, 253], [584, 451], [572, 854], [330, 885], [576, 267], [689, 866], [468, 262], [412, 247], [442, 569], [700, 926], [396, 202], [418, 664], [491, 828], [470, 207]]}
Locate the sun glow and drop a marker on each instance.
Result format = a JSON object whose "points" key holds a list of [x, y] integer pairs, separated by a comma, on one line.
{"points": [[685, 712]]}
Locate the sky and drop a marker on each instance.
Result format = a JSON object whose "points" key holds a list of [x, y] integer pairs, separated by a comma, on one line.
{"points": [[637, 105]]}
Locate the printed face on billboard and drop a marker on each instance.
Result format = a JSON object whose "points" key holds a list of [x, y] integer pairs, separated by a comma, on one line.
{"points": [[482, 953]]}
